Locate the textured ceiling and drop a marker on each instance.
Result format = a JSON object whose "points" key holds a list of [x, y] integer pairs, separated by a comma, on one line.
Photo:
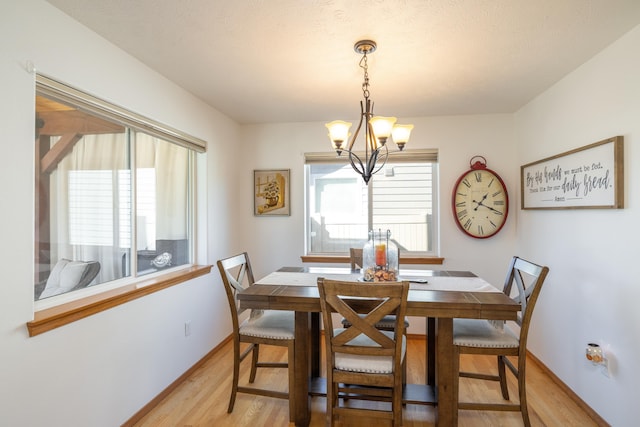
{"points": [[292, 60]]}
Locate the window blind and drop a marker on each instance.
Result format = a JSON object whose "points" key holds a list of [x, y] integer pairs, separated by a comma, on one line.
{"points": [[406, 156]]}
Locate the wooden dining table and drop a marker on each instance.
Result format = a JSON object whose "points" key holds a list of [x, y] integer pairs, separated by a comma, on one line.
{"points": [[445, 295]]}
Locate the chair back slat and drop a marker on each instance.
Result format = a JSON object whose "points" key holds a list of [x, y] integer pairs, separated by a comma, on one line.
{"points": [[528, 279], [236, 276], [364, 325], [355, 257]]}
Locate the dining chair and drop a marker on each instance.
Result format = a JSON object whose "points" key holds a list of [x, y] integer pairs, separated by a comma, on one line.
{"points": [[388, 322], [260, 327], [364, 362], [355, 258], [476, 336]]}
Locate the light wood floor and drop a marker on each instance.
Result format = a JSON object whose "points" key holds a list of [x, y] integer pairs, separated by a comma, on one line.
{"points": [[203, 398]]}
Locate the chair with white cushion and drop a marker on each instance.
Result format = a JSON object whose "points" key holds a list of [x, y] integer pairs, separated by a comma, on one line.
{"points": [[364, 362], [477, 336], [266, 327]]}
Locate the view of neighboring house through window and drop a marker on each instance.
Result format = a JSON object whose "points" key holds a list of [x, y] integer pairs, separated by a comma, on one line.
{"points": [[100, 180], [341, 208]]}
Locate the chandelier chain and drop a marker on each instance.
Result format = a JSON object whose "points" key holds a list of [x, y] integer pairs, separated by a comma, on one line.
{"points": [[365, 83]]}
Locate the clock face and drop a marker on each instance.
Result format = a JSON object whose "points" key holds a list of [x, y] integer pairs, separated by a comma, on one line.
{"points": [[480, 203]]}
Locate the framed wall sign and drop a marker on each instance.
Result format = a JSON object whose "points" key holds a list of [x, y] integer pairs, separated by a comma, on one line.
{"points": [[590, 177], [271, 192]]}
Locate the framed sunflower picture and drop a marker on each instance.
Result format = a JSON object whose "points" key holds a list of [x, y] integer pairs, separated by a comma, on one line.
{"points": [[271, 192]]}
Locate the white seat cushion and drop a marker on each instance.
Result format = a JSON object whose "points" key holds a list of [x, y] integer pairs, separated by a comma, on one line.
{"points": [[481, 333], [368, 364], [274, 324]]}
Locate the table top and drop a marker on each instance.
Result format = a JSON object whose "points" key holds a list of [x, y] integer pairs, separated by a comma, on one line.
{"points": [[427, 280], [478, 300]]}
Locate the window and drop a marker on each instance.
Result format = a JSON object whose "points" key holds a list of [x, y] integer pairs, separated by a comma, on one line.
{"points": [[114, 194], [341, 208]]}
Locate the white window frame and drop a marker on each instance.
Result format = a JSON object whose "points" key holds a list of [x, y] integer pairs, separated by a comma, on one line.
{"points": [[56, 90], [407, 156]]}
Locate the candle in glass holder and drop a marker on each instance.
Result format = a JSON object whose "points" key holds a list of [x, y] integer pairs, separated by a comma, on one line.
{"points": [[381, 254], [380, 258]]}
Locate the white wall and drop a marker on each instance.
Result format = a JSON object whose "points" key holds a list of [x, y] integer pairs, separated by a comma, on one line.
{"points": [[592, 292], [98, 371]]}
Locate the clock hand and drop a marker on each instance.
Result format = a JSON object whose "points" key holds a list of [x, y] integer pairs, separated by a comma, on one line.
{"points": [[488, 207], [480, 202]]}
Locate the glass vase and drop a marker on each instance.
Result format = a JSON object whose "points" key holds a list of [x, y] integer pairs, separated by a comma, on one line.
{"points": [[380, 258]]}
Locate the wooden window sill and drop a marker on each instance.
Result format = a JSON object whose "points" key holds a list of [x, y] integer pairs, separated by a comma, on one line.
{"points": [[345, 259], [63, 314]]}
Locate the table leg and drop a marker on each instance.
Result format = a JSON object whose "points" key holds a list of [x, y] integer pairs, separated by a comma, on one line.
{"points": [[446, 375], [431, 351], [315, 345], [300, 394]]}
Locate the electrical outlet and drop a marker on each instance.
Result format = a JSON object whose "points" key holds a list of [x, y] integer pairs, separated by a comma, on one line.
{"points": [[187, 328]]}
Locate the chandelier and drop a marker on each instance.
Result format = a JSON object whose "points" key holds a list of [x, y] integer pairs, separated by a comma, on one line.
{"points": [[377, 129]]}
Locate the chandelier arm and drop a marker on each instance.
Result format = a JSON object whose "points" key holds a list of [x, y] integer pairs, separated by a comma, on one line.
{"points": [[357, 131], [360, 167], [371, 162], [372, 165], [380, 157], [370, 140]]}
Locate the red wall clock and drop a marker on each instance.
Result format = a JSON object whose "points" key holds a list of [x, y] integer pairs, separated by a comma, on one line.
{"points": [[480, 201]]}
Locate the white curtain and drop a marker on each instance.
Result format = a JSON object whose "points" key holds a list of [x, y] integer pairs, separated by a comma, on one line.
{"points": [[106, 235], [171, 163]]}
